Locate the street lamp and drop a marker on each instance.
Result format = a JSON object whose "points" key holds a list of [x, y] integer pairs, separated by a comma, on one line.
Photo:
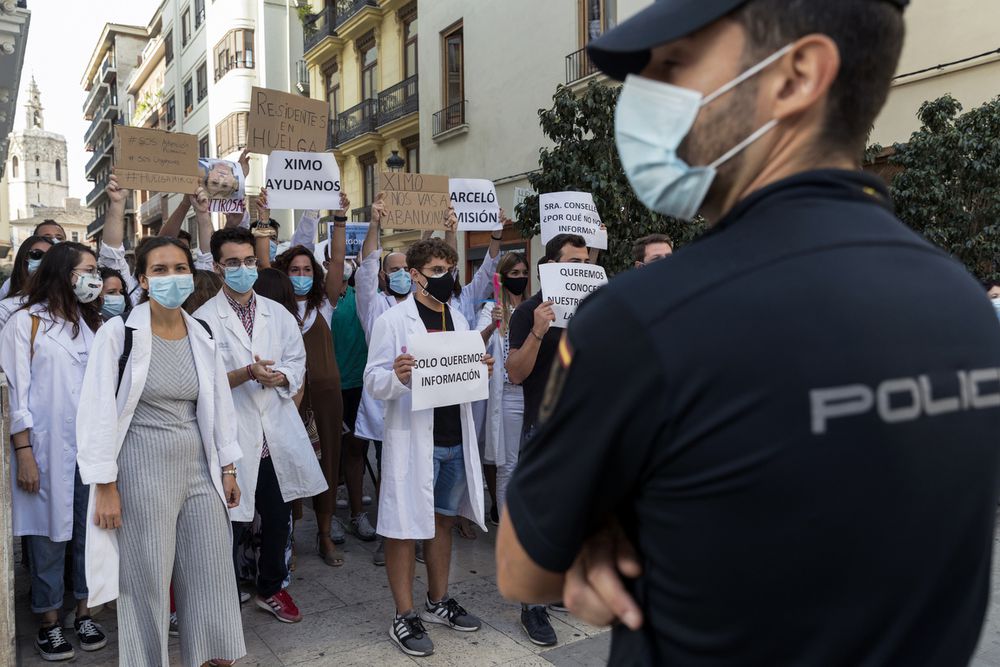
{"points": [[394, 162]]}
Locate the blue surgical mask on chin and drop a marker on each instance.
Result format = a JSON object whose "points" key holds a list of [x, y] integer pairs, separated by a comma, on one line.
{"points": [[651, 122], [302, 285], [241, 279]]}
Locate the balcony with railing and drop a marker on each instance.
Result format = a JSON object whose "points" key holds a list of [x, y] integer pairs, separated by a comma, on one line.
{"points": [[348, 8], [242, 60], [151, 210], [101, 152], [359, 119], [95, 227], [97, 93], [363, 214], [91, 132], [302, 77], [579, 66], [325, 23], [108, 69], [398, 101], [448, 119], [96, 192]]}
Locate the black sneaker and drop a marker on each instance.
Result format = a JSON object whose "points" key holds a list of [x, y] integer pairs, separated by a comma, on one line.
{"points": [[410, 636], [536, 624], [495, 515], [52, 645], [90, 634], [449, 612], [175, 629]]}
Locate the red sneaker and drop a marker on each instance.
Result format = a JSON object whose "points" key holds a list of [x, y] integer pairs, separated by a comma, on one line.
{"points": [[281, 605]]}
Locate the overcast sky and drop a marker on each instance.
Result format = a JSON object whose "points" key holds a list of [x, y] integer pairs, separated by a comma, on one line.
{"points": [[62, 36]]}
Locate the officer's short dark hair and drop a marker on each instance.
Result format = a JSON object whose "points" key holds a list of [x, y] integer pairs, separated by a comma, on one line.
{"points": [[183, 235], [869, 36], [225, 235], [639, 247], [554, 248]]}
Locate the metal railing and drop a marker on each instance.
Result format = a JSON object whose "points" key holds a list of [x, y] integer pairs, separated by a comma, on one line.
{"points": [[326, 22], [94, 124], [359, 119], [96, 226], [331, 134], [398, 101], [101, 152], [242, 60], [302, 77], [108, 69], [449, 118], [348, 8], [199, 18], [96, 192], [97, 91], [151, 209], [579, 66], [363, 214]]}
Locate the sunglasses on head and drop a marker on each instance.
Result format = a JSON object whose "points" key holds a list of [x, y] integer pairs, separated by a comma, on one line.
{"points": [[37, 253]]}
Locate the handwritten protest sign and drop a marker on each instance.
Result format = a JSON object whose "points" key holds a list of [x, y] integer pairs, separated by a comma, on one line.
{"points": [[156, 160], [571, 213], [449, 369], [415, 201], [566, 285], [283, 122], [475, 202], [302, 180]]}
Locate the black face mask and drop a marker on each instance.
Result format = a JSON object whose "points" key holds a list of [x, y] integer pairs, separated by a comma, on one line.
{"points": [[515, 286], [441, 288]]}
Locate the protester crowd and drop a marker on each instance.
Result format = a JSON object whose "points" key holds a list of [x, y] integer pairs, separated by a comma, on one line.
{"points": [[169, 422]]}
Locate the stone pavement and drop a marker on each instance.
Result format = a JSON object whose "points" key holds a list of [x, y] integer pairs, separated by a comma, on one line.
{"points": [[347, 613]]}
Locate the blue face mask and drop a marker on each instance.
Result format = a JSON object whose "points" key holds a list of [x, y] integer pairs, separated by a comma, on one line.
{"points": [[241, 279], [113, 306], [651, 122], [400, 282], [33, 265], [302, 285], [996, 306], [273, 250], [171, 291]]}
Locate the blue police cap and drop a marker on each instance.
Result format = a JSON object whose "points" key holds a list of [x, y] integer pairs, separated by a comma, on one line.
{"points": [[625, 49]]}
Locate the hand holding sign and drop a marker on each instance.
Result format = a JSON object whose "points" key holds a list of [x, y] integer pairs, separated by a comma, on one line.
{"points": [[403, 368], [116, 193]]}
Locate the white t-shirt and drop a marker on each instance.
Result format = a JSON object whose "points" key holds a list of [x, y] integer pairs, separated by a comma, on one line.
{"points": [[308, 319]]}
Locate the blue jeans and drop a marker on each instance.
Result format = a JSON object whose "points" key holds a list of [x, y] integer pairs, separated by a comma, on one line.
{"points": [[449, 479], [47, 561]]}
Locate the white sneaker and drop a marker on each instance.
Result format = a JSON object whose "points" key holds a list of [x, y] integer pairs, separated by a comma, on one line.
{"points": [[362, 527], [338, 534], [342, 498]]}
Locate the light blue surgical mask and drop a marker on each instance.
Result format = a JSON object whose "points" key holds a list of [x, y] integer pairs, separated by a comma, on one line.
{"points": [[241, 279], [272, 250], [33, 265], [400, 282], [652, 121], [302, 285], [171, 291], [113, 305], [996, 306]]}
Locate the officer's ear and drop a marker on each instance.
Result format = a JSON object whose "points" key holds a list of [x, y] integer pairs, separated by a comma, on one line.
{"points": [[799, 83]]}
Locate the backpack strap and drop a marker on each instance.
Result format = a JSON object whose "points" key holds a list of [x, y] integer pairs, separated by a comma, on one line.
{"points": [[208, 329], [35, 322], [123, 360]]}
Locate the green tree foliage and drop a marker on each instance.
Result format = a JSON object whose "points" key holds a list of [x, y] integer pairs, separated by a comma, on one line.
{"points": [[949, 187], [585, 158]]}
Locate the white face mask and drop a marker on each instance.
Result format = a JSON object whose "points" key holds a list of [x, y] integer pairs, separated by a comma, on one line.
{"points": [[88, 286], [348, 270], [652, 121]]}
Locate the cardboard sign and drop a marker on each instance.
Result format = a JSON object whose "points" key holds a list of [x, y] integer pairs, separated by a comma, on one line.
{"points": [[302, 180], [475, 202], [156, 160], [449, 369], [415, 201], [571, 213], [283, 122], [566, 285]]}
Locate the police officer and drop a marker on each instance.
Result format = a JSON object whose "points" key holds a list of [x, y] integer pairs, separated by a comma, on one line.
{"points": [[794, 419]]}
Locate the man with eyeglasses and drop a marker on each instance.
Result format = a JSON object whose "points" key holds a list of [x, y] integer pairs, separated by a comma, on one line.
{"points": [[261, 342], [431, 468]]}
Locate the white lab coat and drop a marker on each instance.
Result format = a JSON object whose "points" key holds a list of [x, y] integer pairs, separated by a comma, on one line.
{"points": [[44, 393], [114, 258], [370, 304], [495, 450], [406, 499], [9, 306], [262, 412], [103, 422]]}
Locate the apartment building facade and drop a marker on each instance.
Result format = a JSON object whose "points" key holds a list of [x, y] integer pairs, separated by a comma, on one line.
{"points": [[480, 96], [105, 86], [361, 57]]}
